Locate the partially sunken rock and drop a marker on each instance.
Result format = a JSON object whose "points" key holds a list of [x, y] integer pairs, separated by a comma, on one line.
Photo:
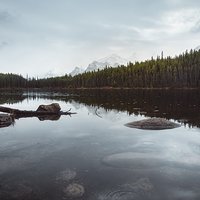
{"points": [[5, 120], [153, 124], [66, 175], [74, 190], [54, 107]]}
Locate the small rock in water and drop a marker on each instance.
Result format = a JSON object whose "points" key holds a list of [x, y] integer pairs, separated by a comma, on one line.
{"points": [[153, 124], [5, 120], [54, 107], [74, 190]]}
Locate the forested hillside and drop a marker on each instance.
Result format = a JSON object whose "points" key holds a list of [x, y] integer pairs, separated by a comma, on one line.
{"points": [[178, 72]]}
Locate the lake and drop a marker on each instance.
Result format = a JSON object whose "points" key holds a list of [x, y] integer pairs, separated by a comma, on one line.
{"points": [[91, 155]]}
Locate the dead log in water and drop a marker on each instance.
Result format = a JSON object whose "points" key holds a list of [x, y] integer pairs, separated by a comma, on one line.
{"points": [[30, 113]]}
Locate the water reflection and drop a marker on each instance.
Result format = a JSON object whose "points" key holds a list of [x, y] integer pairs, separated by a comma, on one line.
{"points": [[11, 97], [180, 105]]}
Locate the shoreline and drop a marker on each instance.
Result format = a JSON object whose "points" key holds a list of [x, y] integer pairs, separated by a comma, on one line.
{"points": [[97, 88]]}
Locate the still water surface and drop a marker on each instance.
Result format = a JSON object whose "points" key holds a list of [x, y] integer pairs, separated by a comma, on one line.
{"points": [[93, 156]]}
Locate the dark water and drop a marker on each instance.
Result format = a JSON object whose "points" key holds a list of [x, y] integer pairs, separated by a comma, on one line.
{"points": [[93, 156]]}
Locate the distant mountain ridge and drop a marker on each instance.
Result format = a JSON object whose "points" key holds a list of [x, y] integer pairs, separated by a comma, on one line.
{"points": [[76, 71], [110, 61]]}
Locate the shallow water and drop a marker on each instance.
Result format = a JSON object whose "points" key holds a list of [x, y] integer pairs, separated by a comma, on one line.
{"points": [[92, 155]]}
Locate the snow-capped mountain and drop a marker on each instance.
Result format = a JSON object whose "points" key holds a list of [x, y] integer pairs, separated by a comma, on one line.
{"points": [[110, 61], [76, 71]]}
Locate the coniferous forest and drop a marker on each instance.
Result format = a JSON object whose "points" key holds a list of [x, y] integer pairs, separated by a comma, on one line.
{"points": [[181, 71], [12, 81]]}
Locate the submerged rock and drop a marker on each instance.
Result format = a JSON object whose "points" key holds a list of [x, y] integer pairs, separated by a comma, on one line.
{"points": [[54, 107], [74, 190], [66, 175], [5, 120], [153, 124]]}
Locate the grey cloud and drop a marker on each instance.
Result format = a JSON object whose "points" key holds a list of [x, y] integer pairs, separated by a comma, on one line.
{"points": [[65, 30], [4, 16], [3, 44]]}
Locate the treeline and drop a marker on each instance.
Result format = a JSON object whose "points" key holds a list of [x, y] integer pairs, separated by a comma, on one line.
{"points": [[12, 81], [178, 72]]}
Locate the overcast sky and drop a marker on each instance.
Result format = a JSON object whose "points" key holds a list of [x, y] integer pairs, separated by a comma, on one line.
{"points": [[43, 36]]}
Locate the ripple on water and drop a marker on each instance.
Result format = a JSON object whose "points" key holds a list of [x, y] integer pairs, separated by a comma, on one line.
{"points": [[142, 188]]}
